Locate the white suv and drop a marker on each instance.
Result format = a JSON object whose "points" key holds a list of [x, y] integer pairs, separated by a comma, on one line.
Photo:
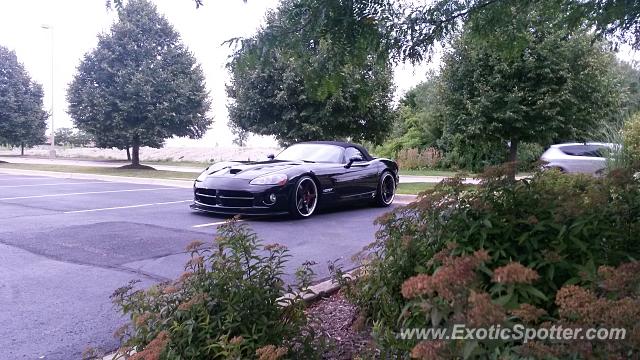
{"points": [[586, 158]]}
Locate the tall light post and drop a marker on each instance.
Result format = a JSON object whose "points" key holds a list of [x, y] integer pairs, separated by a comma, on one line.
{"points": [[52, 152]]}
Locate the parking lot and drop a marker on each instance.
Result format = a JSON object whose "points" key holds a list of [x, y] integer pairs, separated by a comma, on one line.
{"points": [[66, 244]]}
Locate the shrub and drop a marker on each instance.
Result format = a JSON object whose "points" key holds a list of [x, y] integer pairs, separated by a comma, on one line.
{"points": [[529, 156], [561, 226], [227, 305], [631, 138], [456, 294], [460, 153], [412, 159], [612, 301]]}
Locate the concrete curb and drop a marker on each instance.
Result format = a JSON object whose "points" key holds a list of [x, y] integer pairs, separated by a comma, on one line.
{"points": [[324, 288], [405, 198], [187, 184]]}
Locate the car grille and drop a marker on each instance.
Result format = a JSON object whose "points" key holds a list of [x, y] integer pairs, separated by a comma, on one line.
{"points": [[224, 198]]}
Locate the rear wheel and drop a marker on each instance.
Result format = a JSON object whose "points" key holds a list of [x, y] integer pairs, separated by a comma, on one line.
{"points": [[304, 198], [386, 189]]}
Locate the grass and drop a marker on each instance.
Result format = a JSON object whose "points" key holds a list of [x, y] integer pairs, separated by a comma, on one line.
{"points": [[430, 172], [445, 173], [414, 188], [156, 174], [404, 188], [124, 161], [195, 164]]}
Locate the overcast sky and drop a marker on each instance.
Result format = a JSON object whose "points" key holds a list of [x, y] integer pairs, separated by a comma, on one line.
{"points": [[76, 23]]}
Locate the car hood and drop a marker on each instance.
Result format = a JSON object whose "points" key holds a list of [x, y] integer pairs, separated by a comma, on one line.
{"points": [[247, 170]]}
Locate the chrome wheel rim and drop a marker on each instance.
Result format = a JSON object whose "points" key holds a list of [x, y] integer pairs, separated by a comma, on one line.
{"points": [[306, 197], [387, 188]]}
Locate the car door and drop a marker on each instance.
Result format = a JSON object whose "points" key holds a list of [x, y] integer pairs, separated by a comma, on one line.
{"points": [[359, 180], [587, 159]]}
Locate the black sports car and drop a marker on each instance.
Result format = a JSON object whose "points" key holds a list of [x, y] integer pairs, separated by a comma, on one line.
{"points": [[297, 181]]}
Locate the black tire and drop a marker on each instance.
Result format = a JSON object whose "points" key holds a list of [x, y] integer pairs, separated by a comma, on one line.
{"points": [[304, 198], [386, 191]]}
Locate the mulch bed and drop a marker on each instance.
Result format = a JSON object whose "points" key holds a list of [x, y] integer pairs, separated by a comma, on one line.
{"points": [[338, 320], [136, 167]]}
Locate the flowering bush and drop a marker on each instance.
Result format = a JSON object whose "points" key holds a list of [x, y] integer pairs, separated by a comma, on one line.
{"points": [[455, 294], [227, 305], [612, 301], [537, 235]]}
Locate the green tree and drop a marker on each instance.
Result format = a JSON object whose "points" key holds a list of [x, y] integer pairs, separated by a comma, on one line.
{"points": [[64, 136], [70, 137], [630, 80], [301, 88], [22, 119], [418, 120], [559, 87], [413, 28], [140, 85], [81, 139]]}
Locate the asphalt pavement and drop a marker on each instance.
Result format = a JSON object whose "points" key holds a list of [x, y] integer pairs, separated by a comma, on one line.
{"points": [[66, 244]]}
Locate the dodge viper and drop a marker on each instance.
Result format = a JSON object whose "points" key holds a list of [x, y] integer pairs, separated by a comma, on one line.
{"points": [[298, 181]]}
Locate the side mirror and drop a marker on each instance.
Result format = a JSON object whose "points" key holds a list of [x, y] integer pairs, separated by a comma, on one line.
{"points": [[352, 160], [271, 157]]}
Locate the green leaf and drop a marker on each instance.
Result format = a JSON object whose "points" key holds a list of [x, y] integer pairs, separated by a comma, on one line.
{"points": [[468, 348]]}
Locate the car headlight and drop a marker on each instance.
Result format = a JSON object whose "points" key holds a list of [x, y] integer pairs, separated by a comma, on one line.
{"points": [[273, 179], [203, 176]]}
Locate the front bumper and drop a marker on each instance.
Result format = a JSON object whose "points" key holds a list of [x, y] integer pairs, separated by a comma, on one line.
{"points": [[237, 197]]}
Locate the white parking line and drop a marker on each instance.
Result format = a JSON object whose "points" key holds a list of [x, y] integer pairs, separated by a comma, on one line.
{"points": [[87, 193], [24, 178], [213, 224], [127, 207], [53, 184]]}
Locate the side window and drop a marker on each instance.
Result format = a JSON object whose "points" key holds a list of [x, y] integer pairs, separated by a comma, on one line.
{"points": [[585, 150], [351, 152]]}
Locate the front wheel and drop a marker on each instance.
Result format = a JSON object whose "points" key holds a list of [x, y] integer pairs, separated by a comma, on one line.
{"points": [[304, 198], [386, 189]]}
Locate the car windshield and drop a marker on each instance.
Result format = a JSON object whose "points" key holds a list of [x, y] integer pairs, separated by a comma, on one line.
{"points": [[313, 152]]}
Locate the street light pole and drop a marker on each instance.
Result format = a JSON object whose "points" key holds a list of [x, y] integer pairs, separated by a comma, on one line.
{"points": [[52, 152]]}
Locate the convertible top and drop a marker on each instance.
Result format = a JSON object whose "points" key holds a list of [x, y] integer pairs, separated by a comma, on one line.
{"points": [[343, 144]]}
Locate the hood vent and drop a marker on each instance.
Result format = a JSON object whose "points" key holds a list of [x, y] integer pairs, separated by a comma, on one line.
{"points": [[235, 171]]}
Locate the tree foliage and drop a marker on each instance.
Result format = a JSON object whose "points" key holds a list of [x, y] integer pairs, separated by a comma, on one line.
{"points": [[140, 85], [68, 137], [630, 81], [22, 119], [301, 87], [418, 121], [412, 28], [559, 87]]}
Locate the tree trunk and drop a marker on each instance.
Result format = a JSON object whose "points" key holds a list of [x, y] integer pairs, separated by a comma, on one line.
{"points": [[135, 150], [22, 149], [513, 158], [128, 154]]}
